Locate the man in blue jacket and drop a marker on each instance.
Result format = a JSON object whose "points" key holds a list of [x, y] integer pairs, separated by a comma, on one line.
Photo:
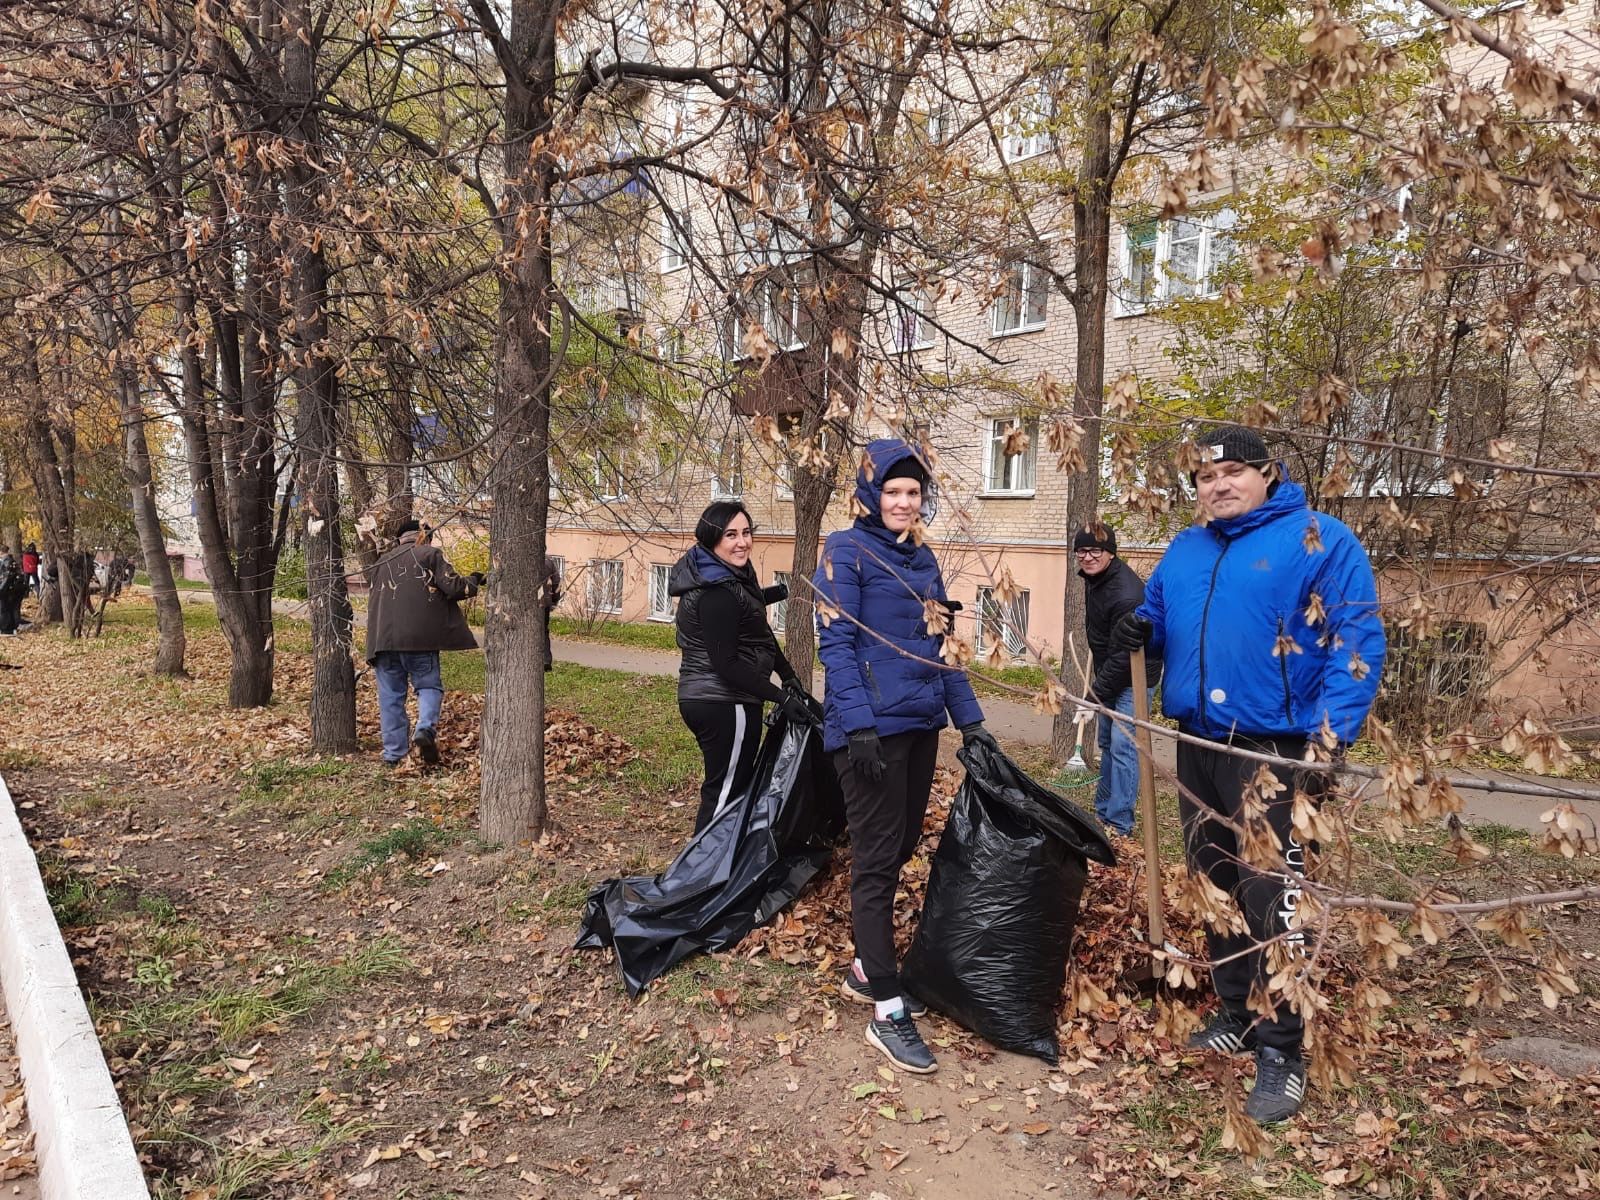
{"points": [[1266, 618]]}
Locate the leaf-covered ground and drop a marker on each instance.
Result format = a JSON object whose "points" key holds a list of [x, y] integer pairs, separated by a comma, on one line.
{"points": [[311, 980]]}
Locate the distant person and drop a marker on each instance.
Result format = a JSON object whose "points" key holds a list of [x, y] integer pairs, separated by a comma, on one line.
{"points": [[413, 613], [13, 589], [30, 567], [551, 598], [887, 694], [1266, 618], [729, 655], [1111, 590]]}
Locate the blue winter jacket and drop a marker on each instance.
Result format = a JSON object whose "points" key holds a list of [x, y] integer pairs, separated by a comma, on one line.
{"points": [[1263, 631], [887, 676]]}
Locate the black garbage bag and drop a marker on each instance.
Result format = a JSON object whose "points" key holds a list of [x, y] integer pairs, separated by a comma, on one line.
{"points": [[991, 947], [737, 873]]}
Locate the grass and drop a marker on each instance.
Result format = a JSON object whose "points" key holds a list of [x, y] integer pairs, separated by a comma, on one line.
{"points": [[760, 983], [414, 840], [650, 635], [183, 585], [239, 1011], [641, 709]]}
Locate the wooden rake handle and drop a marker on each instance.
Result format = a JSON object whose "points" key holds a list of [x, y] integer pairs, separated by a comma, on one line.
{"points": [[1147, 801]]}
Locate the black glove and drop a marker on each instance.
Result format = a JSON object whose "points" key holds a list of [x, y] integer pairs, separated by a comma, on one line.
{"points": [[1131, 633], [866, 755], [976, 735], [476, 578], [796, 706]]}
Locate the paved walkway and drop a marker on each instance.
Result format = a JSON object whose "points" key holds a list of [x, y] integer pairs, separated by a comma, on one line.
{"points": [[1011, 720]]}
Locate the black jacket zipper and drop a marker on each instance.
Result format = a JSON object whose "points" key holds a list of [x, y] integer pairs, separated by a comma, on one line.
{"points": [[1205, 617], [872, 682], [1283, 665]]}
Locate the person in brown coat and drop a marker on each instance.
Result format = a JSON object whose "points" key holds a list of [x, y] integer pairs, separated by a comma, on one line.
{"points": [[414, 612]]}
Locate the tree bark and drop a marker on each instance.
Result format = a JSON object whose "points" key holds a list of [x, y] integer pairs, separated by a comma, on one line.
{"points": [[333, 680], [1091, 247], [512, 802], [136, 470]]}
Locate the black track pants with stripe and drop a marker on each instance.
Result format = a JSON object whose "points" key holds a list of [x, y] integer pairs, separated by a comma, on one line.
{"points": [[1217, 780], [729, 735]]}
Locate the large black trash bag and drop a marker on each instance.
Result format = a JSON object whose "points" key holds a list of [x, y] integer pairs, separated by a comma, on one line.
{"points": [[991, 948], [737, 873]]}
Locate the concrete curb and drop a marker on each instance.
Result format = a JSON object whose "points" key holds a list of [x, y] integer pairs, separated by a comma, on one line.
{"points": [[83, 1146]]}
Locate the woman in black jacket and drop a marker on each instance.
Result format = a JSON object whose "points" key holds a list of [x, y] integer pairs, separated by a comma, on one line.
{"points": [[729, 654]]}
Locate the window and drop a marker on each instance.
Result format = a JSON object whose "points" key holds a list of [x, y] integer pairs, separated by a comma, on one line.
{"points": [[605, 585], [1457, 414], [779, 612], [674, 241], [1026, 133], [1169, 260], [660, 601], [1005, 624], [909, 326], [776, 303], [1010, 473], [929, 126], [672, 346], [608, 482], [1020, 307], [727, 482], [560, 565]]}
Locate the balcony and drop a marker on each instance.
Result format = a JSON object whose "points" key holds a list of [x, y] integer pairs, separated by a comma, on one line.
{"points": [[784, 386]]}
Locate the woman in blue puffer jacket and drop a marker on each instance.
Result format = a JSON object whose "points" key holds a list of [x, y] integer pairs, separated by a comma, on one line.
{"points": [[885, 702]]}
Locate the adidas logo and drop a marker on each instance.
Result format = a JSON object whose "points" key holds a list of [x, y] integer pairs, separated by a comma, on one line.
{"points": [[1226, 1040], [1295, 1089]]}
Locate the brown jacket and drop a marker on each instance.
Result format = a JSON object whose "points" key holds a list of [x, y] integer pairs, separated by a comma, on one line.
{"points": [[415, 602]]}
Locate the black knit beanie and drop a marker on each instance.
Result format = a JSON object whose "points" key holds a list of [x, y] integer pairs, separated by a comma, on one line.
{"points": [[1232, 443], [906, 468], [1096, 537]]}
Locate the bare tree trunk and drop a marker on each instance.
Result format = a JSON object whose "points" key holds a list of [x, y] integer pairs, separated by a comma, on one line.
{"points": [[136, 470], [1091, 247], [512, 803], [811, 496]]}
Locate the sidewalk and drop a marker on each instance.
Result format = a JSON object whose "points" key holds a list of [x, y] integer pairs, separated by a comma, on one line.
{"points": [[1013, 721]]}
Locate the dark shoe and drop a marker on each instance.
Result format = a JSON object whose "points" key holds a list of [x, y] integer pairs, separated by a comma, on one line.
{"points": [[902, 1044], [1228, 1033], [427, 745], [853, 987], [1280, 1087]]}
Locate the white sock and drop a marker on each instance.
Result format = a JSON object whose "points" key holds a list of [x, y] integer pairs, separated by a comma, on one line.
{"points": [[884, 1009]]}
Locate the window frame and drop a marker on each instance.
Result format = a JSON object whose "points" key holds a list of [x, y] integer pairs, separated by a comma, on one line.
{"points": [[911, 310], [994, 448], [1213, 232], [1027, 275], [594, 585], [1032, 109], [1009, 625], [664, 613], [780, 611], [735, 443], [676, 241]]}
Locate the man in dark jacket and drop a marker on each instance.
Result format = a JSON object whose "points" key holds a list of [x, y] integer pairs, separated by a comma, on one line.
{"points": [[1266, 618], [1111, 591], [413, 612]]}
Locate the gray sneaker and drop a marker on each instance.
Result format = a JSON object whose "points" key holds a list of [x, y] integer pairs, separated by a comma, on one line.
{"points": [[853, 987], [1280, 1087], [902, 1044], [1228, 1033]]}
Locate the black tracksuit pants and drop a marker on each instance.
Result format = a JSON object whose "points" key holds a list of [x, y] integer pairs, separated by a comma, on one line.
{"points": [[729, 735], [885, 823], [1267, 899]]}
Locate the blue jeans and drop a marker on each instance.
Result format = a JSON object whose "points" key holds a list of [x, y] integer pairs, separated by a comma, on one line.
{"points": [[1118, 788], [395, 671]]}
